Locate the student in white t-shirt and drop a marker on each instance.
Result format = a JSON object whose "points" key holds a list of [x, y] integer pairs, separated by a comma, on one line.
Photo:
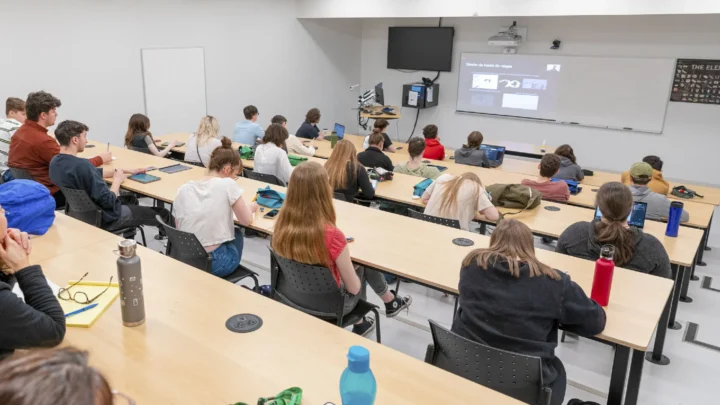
{"points": [[15, 112], [270, 158], [203, 142], [205, 208], [459, 198]]}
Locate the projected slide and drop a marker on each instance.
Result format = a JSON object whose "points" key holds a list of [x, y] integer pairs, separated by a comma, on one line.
{"points": [[508, 85]]}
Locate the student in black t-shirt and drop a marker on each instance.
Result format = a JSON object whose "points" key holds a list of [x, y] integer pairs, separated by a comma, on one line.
{"points": [[380, 126], [346, 174], [309, 129], [373, 156]]}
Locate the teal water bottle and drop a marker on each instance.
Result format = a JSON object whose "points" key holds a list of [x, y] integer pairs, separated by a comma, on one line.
{"points": [[357, 384]]}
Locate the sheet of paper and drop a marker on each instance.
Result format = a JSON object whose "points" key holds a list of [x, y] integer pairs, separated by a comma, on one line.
{"points": [[413, 98], [17, 291], [430, 94], [114, 158]]}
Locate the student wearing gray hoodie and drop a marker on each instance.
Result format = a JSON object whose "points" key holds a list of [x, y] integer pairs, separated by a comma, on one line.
{"points": [[658, 206], [471, 154], [569, 169]]}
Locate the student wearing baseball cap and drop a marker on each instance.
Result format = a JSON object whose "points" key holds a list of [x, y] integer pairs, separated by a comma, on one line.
{"points": [[657, 184], [658, 205]]}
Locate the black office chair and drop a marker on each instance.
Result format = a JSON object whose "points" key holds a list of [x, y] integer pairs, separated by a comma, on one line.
{"points": [[512, 374], [79, 206], [339, 196], [21, 174], [185, 247], [265, 178], [141, 150], [452, 223], [313, 290], [198, 164]]}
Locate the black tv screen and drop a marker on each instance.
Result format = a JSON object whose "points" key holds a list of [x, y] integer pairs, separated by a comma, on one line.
{"points": [[420, 48]]}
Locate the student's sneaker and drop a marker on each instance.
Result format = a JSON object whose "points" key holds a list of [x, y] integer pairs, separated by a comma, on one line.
{"points": [[394, 307], [364, 328]]}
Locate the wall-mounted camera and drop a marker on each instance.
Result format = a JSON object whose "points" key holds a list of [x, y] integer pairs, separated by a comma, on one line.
{"points": [[555, 44]]}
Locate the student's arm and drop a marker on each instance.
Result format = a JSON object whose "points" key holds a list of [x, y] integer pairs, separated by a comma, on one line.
{"points": [[561, 246], [155, 151], [48, 149], [285, 168], [388, 146], [348, 275], [685, 216], [662, 269], [243, 212], [442, 150], [368, 192], [486, 207], [491, 213], [485, 161], [580, 175], [566, 191], [388, 164], [259, 134], [428, 193], [580, 314]]}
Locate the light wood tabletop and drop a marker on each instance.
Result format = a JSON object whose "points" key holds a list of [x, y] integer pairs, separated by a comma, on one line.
{"points": [[376, 113], [183, 354], [65, 234]]}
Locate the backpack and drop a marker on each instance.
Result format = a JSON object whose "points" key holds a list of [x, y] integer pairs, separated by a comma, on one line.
{"points": [[29, 206], [573, 185], [514, 196], [581, 402], [246, 152], [420, 188], [684, 192]]}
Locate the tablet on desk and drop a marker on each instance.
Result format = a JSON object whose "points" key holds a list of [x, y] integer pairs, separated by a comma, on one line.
{"points": [[174, 169], [144, 178]]}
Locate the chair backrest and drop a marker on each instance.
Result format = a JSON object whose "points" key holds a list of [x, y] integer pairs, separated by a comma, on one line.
{"points": [[141, 150], [265, 178], [311, 289], [198, 164], [21, 174], [339, 196], [452, 223], [512, 374], [79, 206], [185, 247]]}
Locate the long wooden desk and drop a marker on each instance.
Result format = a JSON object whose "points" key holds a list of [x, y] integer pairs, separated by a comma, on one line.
{"points": [[65, 235], [376, 113]]}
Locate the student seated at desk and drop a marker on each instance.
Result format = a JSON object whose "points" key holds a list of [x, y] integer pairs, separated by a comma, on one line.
{"points": [[433, 149], [346, 174], [658, 205], [552, 191], [205, 208], [415, 166], [248, 131], [15, 117], [118, 211], [633, 249], [138, 136], [657, 184], [309, 129], [373, 156], [470, 153], [37, 322], [270, 158], [569, 169], [511, 301], [305, 232], [459, 198], [380, 126], [203, 142], [294, 145]]}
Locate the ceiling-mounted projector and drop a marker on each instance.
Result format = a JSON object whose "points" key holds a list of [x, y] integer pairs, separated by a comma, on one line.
{"points": [[510, 37]]}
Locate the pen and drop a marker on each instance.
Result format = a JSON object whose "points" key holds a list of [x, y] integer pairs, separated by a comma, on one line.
{"points": [[81, 310]]}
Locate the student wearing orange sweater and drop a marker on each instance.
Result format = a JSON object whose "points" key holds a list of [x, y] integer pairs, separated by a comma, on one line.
{"points": [[657, 184]]}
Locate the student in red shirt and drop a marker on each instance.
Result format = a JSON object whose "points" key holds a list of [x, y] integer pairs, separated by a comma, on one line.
{"points": [[553, 191], [433, 149], [305, 232], [32, 149]]}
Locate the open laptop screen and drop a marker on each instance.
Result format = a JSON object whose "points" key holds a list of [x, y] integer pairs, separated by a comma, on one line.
{"points": [[636, 217], [494, 153], [340, 130]]}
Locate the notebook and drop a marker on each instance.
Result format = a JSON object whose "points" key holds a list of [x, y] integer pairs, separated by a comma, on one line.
{"points": [[636, 217], [91, 288], [495, 154]]}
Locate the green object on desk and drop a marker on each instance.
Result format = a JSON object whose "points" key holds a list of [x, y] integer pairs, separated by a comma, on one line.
{"points": [[291, 396], [246, 152], [296, 160], [333, 138]]}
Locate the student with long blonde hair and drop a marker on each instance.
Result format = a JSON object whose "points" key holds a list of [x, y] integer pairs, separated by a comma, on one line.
{"points": [[459, 197], [203, 142], [511, 301], [138, 136], [306, 232], [347, 175]]}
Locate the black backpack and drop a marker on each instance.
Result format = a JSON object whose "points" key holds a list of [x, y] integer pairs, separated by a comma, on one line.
{"points": [[581, 402]]}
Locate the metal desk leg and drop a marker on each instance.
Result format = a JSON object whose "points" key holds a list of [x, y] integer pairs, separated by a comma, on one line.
{"points": [[617, 378], [633, 383], [457, 301], [656, 356], [703, 245], [675, 296], [686, 283]]}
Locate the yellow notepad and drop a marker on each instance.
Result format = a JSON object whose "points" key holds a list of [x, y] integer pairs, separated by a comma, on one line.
{"points": [[91, 288]]}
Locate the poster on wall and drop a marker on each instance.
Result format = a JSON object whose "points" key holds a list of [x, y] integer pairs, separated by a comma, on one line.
{"points": [[696, 81]]}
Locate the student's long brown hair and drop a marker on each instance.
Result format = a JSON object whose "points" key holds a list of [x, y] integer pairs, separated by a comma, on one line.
{"points": [[300, 227], [343, 156], [615, 202], [511, 242], [449, 198], [566, 151], [138, 123]]}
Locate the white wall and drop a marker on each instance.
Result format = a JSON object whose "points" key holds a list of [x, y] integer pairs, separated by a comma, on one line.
{"points": [[87, 53], [497, 8], [691, 139]]}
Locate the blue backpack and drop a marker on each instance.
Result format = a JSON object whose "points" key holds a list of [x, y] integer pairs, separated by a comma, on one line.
{"points": [[420, 188], [573, 185], [28, 206]]}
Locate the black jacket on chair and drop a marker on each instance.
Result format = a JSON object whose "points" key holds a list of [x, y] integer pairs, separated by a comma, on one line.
{"points": [[373, 157]]}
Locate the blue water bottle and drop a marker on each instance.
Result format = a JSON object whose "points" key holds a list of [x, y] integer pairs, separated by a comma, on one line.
{"points": [[673, 226], [357, 384]]}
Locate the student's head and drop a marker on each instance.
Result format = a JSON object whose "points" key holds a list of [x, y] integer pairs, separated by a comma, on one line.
{"points": [[655, 162], [138, 123], [380, 125], [276, 134], [251, 113], [41, 107], [615, 202], [343, 154], [280, 120], [225, 160], [566, 151], [308, 208], [549, 165], [312, 116], [641, 173], [416, 147], [430, 131], [15, 109], [72, 135], [53, 377], [449, 198], [475, 139], [377, 140], [511, 243], [208, 129]]}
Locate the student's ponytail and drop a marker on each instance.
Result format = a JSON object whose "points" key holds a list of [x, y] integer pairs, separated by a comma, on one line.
{"points": [[615, 202]]}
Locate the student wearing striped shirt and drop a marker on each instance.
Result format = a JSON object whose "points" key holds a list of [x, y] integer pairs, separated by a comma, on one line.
{"points": [[15, 112]]}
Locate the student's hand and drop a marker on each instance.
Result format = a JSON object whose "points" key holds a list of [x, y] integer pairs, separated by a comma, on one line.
{"points": [[119, 176], [106, 157], [137, 171], [253, 207], [320, 137], [21, 238], [13, 255], [172, 144]]}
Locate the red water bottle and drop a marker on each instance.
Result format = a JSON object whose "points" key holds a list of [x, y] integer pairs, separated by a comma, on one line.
{"points": [[602, 282]]}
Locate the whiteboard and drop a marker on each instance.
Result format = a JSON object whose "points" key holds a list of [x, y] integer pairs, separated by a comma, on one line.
{"points": [[617, 93], [174, 87]]}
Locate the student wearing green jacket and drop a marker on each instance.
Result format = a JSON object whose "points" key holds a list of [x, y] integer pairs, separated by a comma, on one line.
{"points": [[415, 166]]}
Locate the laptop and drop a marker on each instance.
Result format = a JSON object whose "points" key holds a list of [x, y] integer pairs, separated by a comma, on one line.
{"points": [[636, 217], [340, 131], [495, 154]]}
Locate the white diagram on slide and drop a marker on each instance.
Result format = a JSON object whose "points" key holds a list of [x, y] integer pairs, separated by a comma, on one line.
{"points": [[483, 81], [511, 84]]}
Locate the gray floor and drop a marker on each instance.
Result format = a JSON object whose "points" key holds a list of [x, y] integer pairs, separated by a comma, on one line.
{"points": [[684, 381]]}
